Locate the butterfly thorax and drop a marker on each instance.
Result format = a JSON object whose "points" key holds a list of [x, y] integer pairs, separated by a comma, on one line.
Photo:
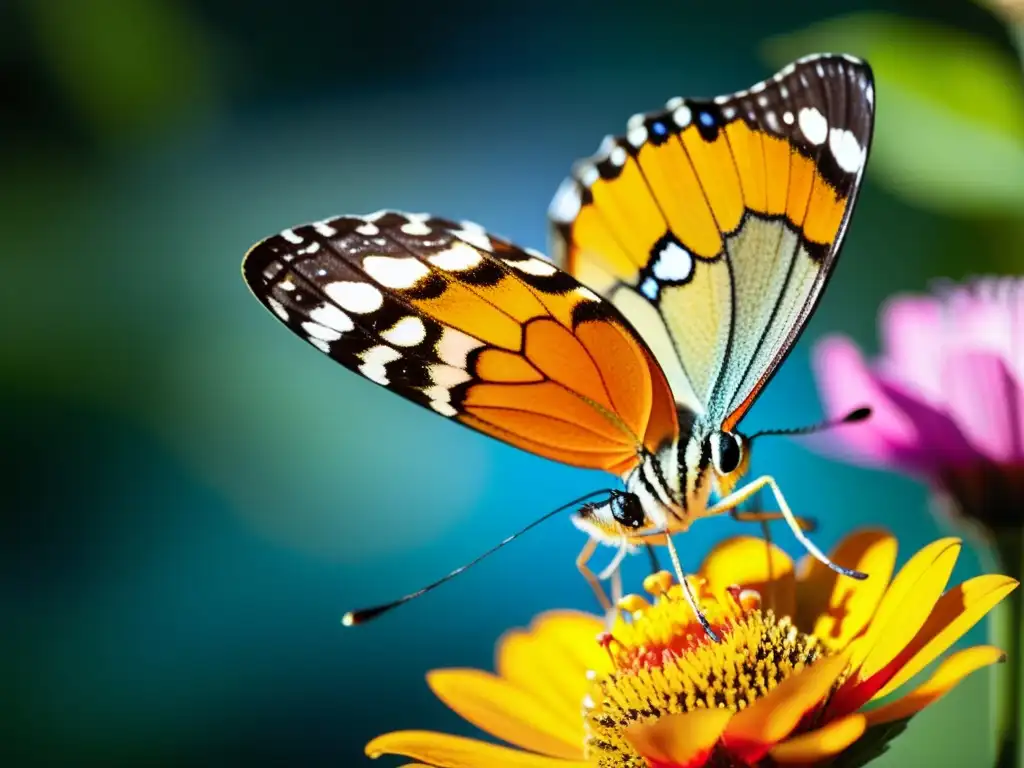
{"points": [[666, 491]]}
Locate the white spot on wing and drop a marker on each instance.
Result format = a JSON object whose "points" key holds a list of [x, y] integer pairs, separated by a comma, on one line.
{"points": [[278, 308], [457, 257], [565, 205], [407, 332], [291, 237], [681, 116], [586, 294], [332, 317], [454, 347], [395, 272], [787, 117], [533, 266], [674, 263], [475, 235], [846, 150], [589, 174], [635, 136], [674, 103], [325, 229], [618, 155], [415, 227], [649, 288], [317, 331], [445, 377], [367, 229], [355, 297], [445, 409], [813, 125], [374, 359], [311, 248]]}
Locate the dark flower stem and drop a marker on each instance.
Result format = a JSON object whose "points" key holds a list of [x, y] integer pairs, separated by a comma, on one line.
{"points": [[1006, 623]]}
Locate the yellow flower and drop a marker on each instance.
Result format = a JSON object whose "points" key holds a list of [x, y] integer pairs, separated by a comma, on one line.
{"points": [[802, 653]]}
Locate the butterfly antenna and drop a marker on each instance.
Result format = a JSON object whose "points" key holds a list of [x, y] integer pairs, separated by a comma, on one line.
{"points": [[352, 618], [858, 414]]}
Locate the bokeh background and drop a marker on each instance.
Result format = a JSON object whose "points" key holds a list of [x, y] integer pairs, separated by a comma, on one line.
{"points": [[192, 497]]}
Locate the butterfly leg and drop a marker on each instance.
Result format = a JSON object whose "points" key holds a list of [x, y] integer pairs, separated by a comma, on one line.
{"points": [[613, 567], [581, 563], [744, 493], [652, 555], [691, 598]]}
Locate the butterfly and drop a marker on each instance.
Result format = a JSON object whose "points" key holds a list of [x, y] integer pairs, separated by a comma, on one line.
{"points": [[688, 255]]}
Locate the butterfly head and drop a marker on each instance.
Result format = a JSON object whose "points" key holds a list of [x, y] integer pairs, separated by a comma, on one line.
{"points": [[622, 516], [729, 453]]}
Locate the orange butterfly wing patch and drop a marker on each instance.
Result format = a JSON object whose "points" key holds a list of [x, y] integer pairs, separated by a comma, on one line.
{"points": [[474, 328]]}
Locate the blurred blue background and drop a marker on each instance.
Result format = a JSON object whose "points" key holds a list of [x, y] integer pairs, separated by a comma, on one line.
{"points": [[193, 497]]}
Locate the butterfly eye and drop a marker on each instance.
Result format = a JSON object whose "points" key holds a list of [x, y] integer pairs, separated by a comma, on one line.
{"points": [[726, 452], [627, 510]]}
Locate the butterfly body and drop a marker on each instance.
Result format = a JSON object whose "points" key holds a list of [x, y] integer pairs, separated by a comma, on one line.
{"points": [[689, 254]]}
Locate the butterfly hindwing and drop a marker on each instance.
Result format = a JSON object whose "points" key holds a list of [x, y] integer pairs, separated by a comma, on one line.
{"points": [[472, 327], [714, 224]]}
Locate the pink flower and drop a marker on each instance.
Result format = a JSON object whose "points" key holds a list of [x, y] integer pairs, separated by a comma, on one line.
{"points": [[947, 396]]}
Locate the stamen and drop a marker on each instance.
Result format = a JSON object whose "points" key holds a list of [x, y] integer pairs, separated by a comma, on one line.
{"points": [[746, 599], [605, 640], [664, 663], [632, 604], [658, 584]]}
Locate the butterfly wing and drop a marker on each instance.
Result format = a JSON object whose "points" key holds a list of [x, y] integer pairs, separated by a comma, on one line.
{"points": [[714, 225], [472, 327]]}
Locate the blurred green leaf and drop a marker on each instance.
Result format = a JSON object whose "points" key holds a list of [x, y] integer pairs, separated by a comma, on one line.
{"points": [[949, 132], [872, 745], [127, 67]]}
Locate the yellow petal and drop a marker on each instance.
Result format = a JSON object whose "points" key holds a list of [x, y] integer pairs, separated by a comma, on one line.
{"points": [[956, 612], [767, 721], [950, 672], [752, 563], [682, 741], [506, 711], [546, 668], [906, 606], [445, 751], [837, 608], [576, 632], [810, 748]]}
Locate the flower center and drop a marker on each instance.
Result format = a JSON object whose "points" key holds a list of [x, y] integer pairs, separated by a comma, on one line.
{"points": [[665, 664]]}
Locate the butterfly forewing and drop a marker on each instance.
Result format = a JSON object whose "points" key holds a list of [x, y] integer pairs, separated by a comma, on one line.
{"points": [[472, 327], [714, 224]]}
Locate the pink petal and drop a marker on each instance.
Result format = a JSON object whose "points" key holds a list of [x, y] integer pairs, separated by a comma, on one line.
{"points": [[939, 443], [845, 383], [985, 400], [978, 317], [910, 329]]}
